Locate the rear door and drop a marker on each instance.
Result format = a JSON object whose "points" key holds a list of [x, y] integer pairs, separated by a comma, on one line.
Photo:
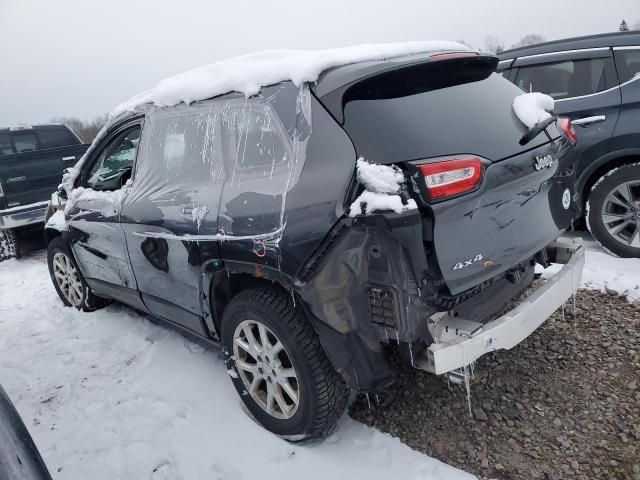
{"points": [[584, 86], [627, 132], [170, 215]]}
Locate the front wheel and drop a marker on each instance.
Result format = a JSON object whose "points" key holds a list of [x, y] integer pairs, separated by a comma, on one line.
{"points": [[68, 280], [279, 368], [613, 213]]}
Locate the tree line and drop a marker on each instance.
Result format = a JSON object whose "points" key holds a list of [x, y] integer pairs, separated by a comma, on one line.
{"points": [[493, 43], [85, 129]]}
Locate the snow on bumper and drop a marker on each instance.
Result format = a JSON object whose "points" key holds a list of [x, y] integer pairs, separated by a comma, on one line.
{"points": [[461, 342]]}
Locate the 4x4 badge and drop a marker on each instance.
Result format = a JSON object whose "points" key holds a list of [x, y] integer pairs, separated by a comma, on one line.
{"points": [[468, 263], [543, 162]]}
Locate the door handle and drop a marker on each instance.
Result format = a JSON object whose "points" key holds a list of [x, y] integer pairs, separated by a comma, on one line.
{"points": [[68, 159], [589, 120]]}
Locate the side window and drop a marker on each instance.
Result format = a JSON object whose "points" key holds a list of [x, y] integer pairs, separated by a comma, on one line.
{"points": [[628, 64], [114, 164], [5, 144], [180, 146], [260, 166], [55, 137], [254, 139], [25, 142], [567, 79]]}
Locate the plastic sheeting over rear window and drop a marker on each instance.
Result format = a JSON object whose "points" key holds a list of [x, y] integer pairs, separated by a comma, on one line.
{"points": [[220, 169]]}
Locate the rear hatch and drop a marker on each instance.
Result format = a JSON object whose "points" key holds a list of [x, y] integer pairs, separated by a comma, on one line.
{"points": [[451, 116]]}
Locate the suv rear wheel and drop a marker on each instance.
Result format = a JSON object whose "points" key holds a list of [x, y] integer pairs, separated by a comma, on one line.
{"points": [[614, 211], [279, 368], [8, 244], [68, 280]]}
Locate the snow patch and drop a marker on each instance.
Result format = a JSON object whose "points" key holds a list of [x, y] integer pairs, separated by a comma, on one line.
{"points": [[532, 108], [106, 397], [603, 271], [382, 183], [106, 202], [379, 178], [376, 202], [247, 74], [57, 221]]}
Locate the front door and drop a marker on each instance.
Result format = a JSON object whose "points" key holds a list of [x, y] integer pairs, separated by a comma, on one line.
{"points": [[97, 239]]}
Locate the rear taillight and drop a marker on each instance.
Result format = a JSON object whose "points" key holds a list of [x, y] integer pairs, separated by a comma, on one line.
{"points": [[566, 126], [449, 176]]}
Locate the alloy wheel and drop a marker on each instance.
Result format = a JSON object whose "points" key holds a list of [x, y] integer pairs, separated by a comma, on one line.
{"points": [[266, 369], [68, 279], [621, 213]]}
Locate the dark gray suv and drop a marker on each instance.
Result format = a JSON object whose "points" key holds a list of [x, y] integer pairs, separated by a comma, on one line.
{"points": [[595, 81], [305, 227]]}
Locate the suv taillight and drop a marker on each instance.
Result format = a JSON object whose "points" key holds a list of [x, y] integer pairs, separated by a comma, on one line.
{"points": [[450, 176], [564, 124]]}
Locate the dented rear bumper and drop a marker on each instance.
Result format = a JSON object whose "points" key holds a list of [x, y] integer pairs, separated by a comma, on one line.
{"points": [[459, 342]]}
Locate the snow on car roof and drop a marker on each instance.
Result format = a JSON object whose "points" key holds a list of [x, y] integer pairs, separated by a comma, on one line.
{"points": [[247, 74]]}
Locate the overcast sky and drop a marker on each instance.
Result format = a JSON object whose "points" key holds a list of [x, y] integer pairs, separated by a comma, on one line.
{"points": [[83, 57]]}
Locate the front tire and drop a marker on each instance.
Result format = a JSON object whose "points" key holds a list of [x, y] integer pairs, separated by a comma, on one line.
{"points": [[279, 368], [613, 216], [68, 280], [8, 244]]}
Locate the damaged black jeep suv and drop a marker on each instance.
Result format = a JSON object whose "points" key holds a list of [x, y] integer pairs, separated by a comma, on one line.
{"points": [[304, 228]]}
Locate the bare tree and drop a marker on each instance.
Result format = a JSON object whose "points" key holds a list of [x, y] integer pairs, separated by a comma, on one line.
{"points": [[86, 130], [493, 44], [623, 26], [530, 39]]}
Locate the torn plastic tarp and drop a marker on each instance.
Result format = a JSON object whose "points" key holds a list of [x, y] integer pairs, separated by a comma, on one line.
{"points": [[221, 168]]}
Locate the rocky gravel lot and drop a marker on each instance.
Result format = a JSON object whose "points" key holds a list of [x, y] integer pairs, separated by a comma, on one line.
{"points": [[563, 404]]}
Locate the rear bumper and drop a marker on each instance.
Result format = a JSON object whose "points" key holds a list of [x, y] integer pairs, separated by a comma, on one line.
{"points": [[460, 342], [24, 215]]}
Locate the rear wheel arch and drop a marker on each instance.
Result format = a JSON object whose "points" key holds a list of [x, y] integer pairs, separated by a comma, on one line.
{"points": [[226, 286], [605, 167]]}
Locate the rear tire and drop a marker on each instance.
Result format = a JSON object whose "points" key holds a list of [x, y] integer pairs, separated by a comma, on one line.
{"points": [[613, 211], [8, 244], [68, 280], [254, 321]]}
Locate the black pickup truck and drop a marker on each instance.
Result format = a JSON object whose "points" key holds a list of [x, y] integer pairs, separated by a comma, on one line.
{"points": [[32, 159]]}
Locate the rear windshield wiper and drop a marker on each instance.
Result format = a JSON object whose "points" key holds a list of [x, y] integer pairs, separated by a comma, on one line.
{"points": [[534, 131]]}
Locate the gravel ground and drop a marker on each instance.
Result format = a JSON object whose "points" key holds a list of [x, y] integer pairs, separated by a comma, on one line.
{"points": [[563, 404]]}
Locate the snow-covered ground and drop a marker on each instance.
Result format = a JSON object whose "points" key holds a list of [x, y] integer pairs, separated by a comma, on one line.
{"points": [[605, 272], [110, 395]]}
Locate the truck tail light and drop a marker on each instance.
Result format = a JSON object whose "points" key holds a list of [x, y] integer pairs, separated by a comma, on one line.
{"points": [[564, 124], [449, 176]]}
